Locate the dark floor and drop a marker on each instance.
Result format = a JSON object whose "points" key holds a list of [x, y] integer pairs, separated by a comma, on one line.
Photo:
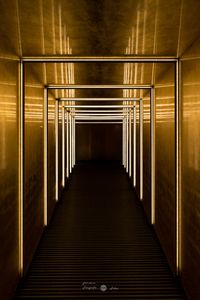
{"points": [[99, 244]]}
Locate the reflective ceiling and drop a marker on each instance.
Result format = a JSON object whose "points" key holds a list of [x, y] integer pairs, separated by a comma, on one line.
{"points": [[103, 27]]}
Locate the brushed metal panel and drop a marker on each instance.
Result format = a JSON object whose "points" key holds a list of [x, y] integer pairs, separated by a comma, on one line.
{"points": [[34, 175], [165, 166], [93, 22], [9, 249], [103, 28], [190, 273], [189, 28], [30, 26], [9, 24]]}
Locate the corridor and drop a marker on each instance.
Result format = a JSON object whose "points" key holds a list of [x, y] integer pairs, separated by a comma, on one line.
{"points": [[111, 253], [99, 149]]}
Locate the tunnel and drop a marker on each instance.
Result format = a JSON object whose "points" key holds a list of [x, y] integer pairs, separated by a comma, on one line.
{"points": [[99, 154]]}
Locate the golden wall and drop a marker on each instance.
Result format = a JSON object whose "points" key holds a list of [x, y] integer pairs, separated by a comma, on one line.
{"points": [[9, 249], [190, 246], [165, 205], [33, 166]]}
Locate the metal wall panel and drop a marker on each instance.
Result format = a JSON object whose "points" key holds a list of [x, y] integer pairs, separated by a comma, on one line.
{"points": [[34, 169], [190, 248], [165, 222], [9, 249]]}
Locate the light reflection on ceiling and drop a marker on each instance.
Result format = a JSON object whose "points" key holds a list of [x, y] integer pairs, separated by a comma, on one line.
{"points": [[106, 27]]}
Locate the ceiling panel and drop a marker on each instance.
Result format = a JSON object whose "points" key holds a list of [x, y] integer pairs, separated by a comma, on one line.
{"points": [[103, 27]]}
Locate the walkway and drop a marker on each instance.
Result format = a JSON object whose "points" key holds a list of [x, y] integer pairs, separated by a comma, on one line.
{"points": [[99, 244]]}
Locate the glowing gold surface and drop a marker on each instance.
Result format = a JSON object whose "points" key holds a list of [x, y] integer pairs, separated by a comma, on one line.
{"points": [[9, 250], [33, 166], [165, 165], [190, 173], [100, 28]]}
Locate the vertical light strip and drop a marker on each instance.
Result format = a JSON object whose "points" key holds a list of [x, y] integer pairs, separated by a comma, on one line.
{"points": [[129, 66], [154, 42], [124, 122], [136, 49], [125, 128], [54, 43], [61, 46], [70, 143], [141, 149], [73, 78], [74, 122], [127, 140], [130, 145], [134, 143], [178, 163], [74, 141], [124, 80], [67, 114], [65, 52], [180, 30], [129, 111], [67, 144], [43, 40], [63, 94], [133, 92], [152, 111], [126, 74], [21, 164], [45, 120], [73, 110], [68, 67], [60, 27], [123, 142], [126, 102], [57, 149], [63, 144], [19, 30]]}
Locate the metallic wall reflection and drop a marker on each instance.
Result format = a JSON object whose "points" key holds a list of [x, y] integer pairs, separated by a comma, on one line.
{"points": [[190, 247], [34, 170], [9, 249], [150, 27], [165, 165]]}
